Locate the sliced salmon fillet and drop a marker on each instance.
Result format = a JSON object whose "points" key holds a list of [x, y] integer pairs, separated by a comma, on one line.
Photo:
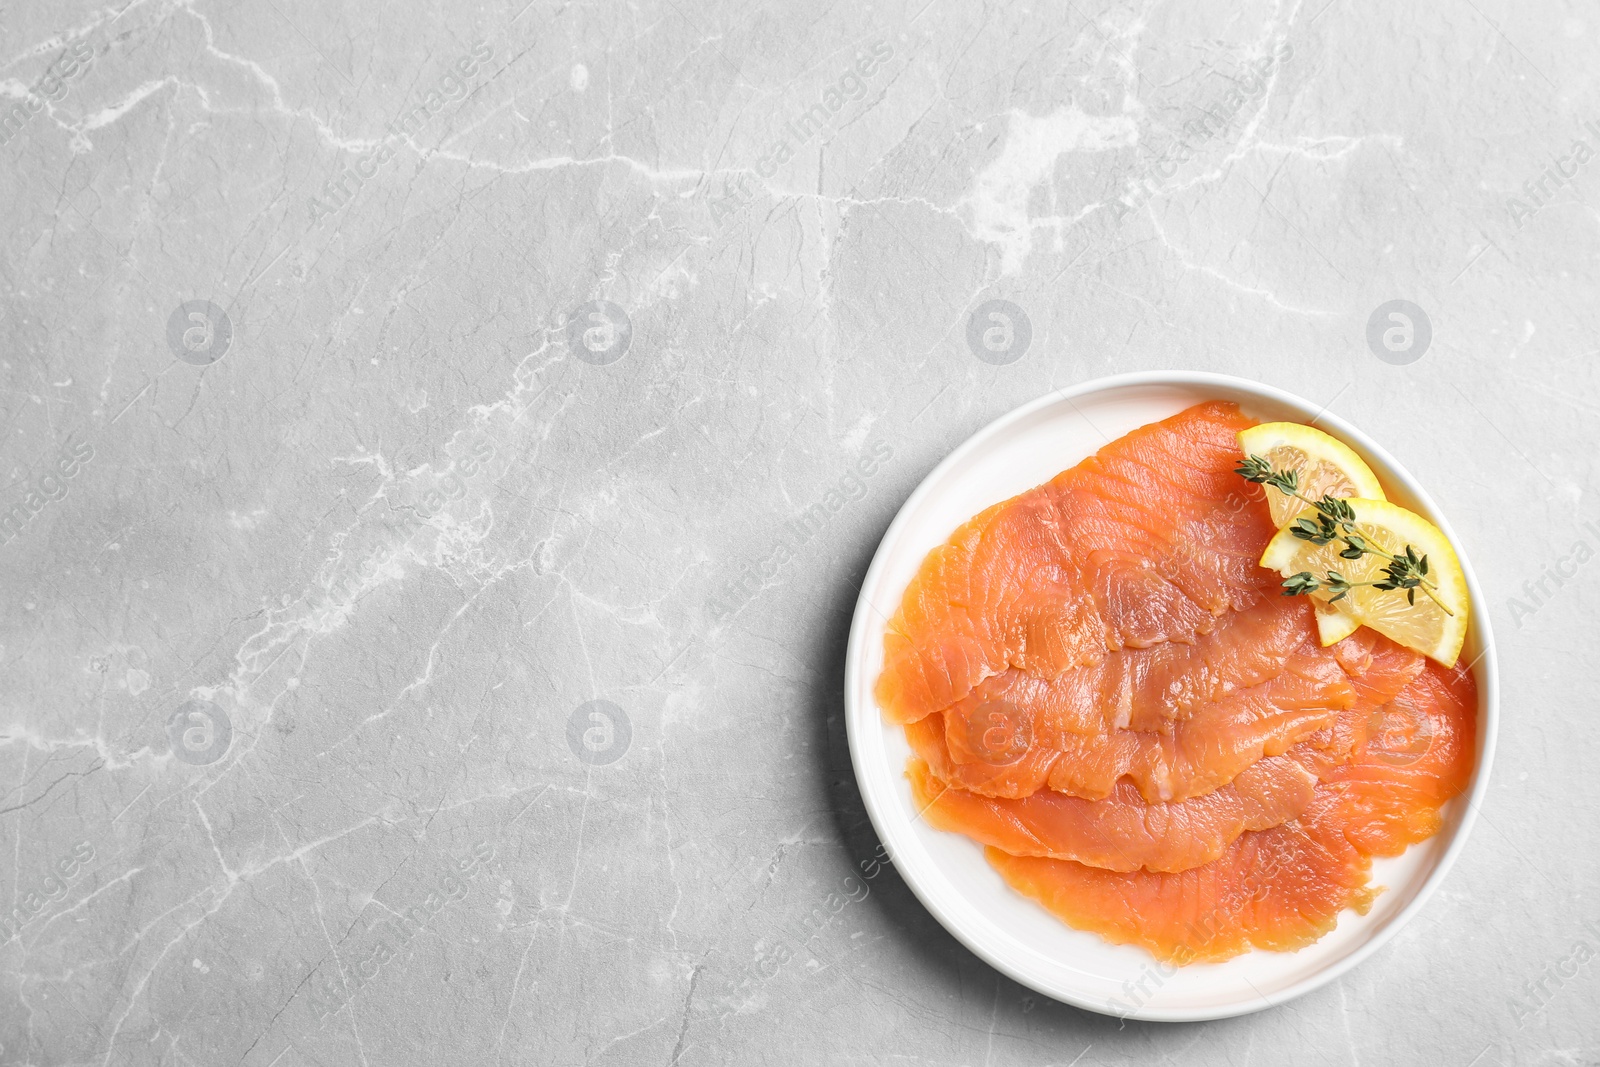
{"points": [[1284, 887], [1121, 832], [1279, 889], [1365, 671], [1379, 669], [1201, 753], [1124, 832], [1149, 688], [1419, 752], [1147, 541]]}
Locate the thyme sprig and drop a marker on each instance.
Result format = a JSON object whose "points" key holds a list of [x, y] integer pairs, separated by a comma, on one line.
{"points": [[1335, 521]]}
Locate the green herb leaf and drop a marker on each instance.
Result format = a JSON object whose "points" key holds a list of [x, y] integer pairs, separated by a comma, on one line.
{"points": [[1304, 582], [1336, 521]]}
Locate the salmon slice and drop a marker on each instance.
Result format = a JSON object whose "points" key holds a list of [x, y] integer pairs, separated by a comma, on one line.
{"points": [[1124, 832], [1207, 750], [1148, 541], [1419, 752], [1279, 889], [1121, 832], [1148, 688], [1379, 669], [1284, 887]]}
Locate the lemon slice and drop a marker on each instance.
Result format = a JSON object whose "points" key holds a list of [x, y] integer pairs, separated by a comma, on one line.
{"points": [[1325, 465], [1424, 626], [1334, 624]]}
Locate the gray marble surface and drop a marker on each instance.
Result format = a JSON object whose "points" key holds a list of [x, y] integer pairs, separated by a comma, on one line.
{"points": [[384, 385]]}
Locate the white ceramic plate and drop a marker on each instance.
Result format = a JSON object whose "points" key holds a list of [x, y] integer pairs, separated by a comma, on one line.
{"points": [[948, 872]]}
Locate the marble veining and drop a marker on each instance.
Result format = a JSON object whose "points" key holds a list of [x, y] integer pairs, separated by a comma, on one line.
{"points": [[442, 444]]}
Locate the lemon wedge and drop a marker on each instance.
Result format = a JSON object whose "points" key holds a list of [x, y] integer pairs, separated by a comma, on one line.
{"points": [[1434, 625], [1325, 466]]}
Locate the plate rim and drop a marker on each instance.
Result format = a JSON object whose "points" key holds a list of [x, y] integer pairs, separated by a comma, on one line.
{"points": [[1485, 666]]}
